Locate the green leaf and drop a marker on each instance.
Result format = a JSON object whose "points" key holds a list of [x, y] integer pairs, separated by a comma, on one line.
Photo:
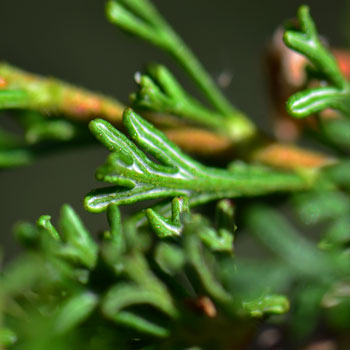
{"points": [[140, 324], [21, 274], [164, 227], [317, 206], [74, 311], [337, 131], [27, 234], [44, 222], [7, 337], [12, 98], [276, 234], [305, 314], [217, 241], [159, 91], [196, 255], [145, 289], [306, 42], [169, 257], [15, 157], [130, 15], [338, 234], [315, 100], [266, 305], [60, 130], [224, 215], [140, 18], [79, 245], [115, 223], [175, 174], [339, 173]]}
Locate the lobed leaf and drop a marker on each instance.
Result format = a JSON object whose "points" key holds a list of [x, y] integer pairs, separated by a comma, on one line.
{"points": [[129, 16], [139, 178], [312, 101], [165, 227], [306, 42], [79, 244], [159, 91], [74, 311]]}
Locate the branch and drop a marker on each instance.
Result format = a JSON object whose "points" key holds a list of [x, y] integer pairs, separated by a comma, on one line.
{"points": [[161, 92], [23, 90], [306, 41], [138, 178], [140, 18]]}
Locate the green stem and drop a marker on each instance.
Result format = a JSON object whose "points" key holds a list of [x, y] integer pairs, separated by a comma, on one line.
{"points": [[239, 126], [193, 67]]}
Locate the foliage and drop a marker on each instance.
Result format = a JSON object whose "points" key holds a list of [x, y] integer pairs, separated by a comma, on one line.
{"points": [[169, 277], [336, 94], [138, 178]]}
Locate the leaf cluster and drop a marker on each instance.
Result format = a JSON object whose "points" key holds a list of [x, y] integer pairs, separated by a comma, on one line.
{"points": [[169, 277]]}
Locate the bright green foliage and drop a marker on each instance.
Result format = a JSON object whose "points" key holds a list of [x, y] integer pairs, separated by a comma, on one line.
{"points": [[73, 244], [324, 295], [168, 277], [160, 92], [306, 41], [140, 18], [168, 227], [138, 178], [324, 272], [314, 100], [139, 290], [275, 304], [79, 245], [220, 241]]}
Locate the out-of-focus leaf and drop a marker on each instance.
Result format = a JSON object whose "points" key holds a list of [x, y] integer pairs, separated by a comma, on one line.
{"points": [[7, 337], [268, 304], [80, 246], [276, 234], [318, 206], [74, 311]]}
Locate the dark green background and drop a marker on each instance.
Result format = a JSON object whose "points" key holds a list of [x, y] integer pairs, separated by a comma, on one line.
{"points": [[72, 40]]}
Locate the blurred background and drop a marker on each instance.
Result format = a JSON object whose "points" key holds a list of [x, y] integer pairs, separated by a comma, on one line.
{"points": [[73, 41]]}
